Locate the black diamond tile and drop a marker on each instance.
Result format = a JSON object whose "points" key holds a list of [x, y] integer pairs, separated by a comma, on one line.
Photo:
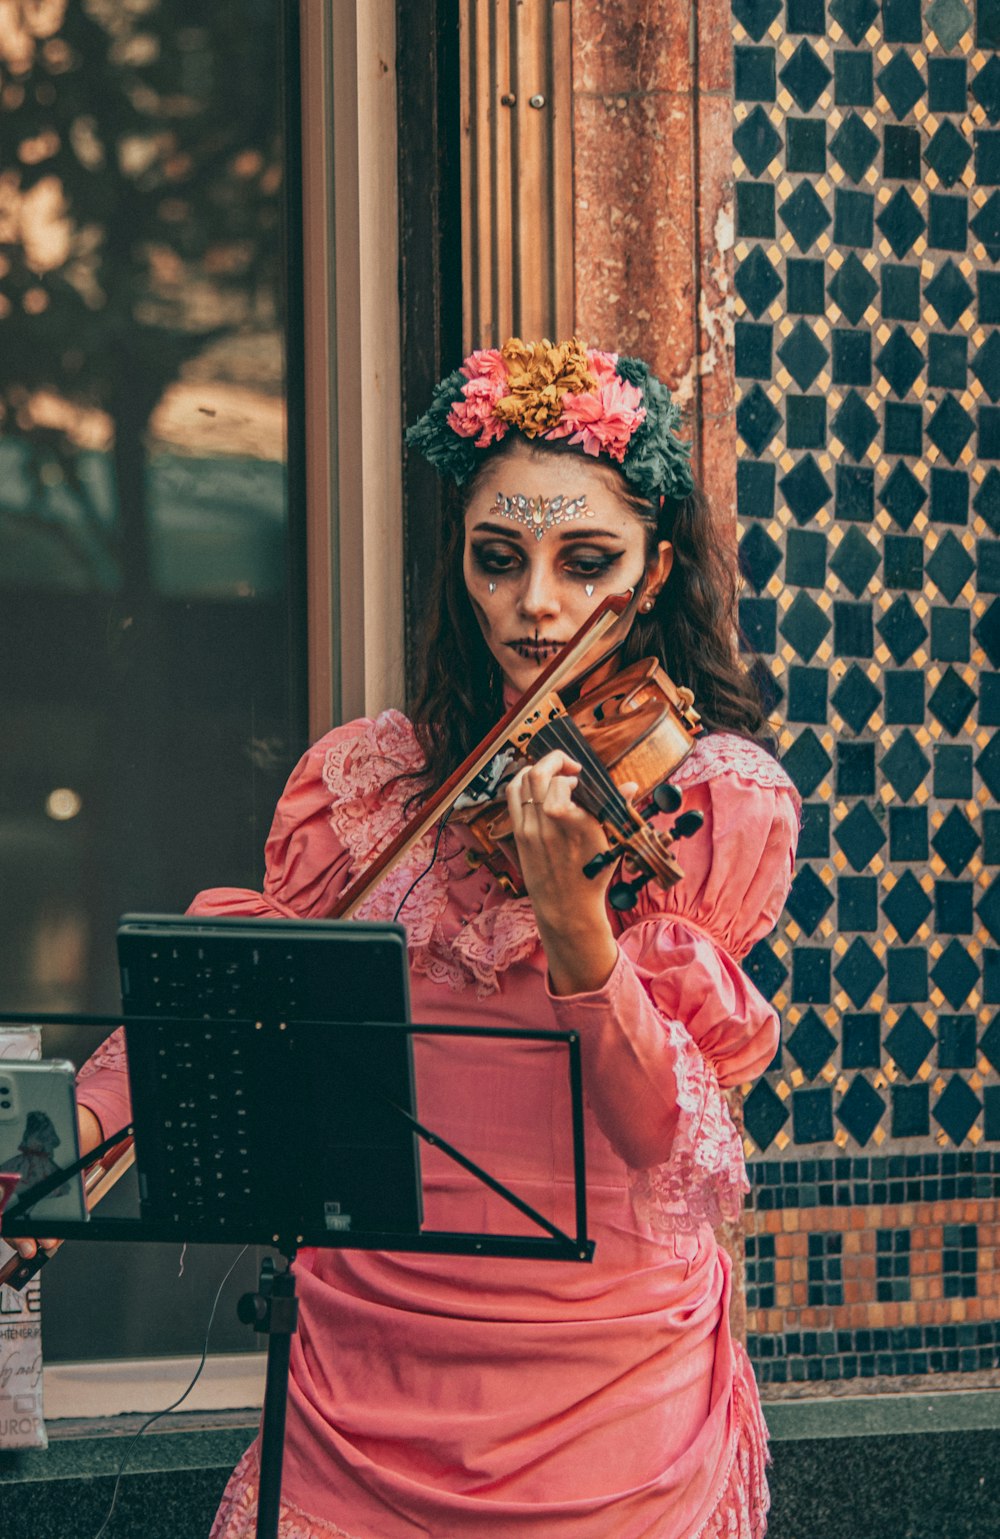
{"points": [[852, 356], [903, 428], [808, 900], [906, 906], [805, 76], [853, 288], [953, 909], [949, 293], [855, 16], [953, 771], [861, 1045], [955, 973], [903, 556], [861, 1110], [950, 427], [805, 421], [988, 766], [908, 834], [957, 1109], [765, 970], [859, 972], [956, 841], [852, 629], [987, 500], [805, 490], [755, 209], [757, 141], [757, 421], [806, 145], [905, 765], [757, 282], [901, 84], [902, 495], [805, 215], [901, 222], [985, 226], [907, 980], [904, 697], [986, 88], [986, 366], [901, 361], [760, 557], [956, 1042], [987, 633], [901, 153], [951, 701], [900, 292], [990, 1043], [950, 567], [854, 146], [948, 153], [811, 975], [855, 769], [805, 626], [950, 643], [859, 836], [988, 908], [807, 762], [855, 698], [857, 905], [855, 561], [757, 618], [811, 1044], [853, 215], [803, 354], [764, 1114], [855, 424], [909, 1042], [756, 15]]}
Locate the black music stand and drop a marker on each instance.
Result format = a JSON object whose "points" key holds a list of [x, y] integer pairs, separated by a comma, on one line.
{"points": [[269, 1205]]}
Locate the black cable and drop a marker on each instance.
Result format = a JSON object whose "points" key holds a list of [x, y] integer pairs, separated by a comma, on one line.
{"points": [[421, 874], [181, 1398]]}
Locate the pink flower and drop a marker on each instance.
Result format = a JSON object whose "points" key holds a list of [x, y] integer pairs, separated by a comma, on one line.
{"points": [[487, 363], [475, 414], [602, 419], [603, 366]]}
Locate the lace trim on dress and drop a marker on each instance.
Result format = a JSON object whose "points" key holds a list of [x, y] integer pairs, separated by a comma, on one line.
{"points": [[237, 1514], [740, 1511], [110, 1055], [367, 810], [704, 1180], [718, 753]]}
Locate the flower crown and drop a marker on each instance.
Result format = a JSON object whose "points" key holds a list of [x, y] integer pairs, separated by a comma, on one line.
{"points": [[558, 391]]}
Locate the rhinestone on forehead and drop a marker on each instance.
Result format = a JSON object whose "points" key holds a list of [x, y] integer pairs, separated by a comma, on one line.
{"points": [[541, 513]]}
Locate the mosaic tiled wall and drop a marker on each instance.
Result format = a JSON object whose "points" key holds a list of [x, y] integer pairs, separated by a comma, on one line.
{"points": [[868, 360]]}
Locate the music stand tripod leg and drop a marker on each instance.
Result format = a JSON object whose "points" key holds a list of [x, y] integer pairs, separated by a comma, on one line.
{"points": [[273, 1311]]}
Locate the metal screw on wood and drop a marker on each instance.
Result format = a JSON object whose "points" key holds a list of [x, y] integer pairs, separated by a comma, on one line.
{"points": [[536, 101], [508, 99]]}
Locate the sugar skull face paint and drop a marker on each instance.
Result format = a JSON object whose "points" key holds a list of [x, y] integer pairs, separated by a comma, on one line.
{"points": [[540, 514]]}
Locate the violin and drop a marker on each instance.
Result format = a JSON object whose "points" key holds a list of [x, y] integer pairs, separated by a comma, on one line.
{"points": [[637, 726]]}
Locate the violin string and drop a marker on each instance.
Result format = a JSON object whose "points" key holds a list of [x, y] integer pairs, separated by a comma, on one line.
{"points": [[594, 776]]}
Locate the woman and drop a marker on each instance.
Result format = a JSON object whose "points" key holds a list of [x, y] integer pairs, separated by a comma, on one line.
{"points": [[458, 1398]]}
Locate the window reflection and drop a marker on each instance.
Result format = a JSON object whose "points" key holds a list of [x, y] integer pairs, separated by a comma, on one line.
{"points": [[147, 619]]}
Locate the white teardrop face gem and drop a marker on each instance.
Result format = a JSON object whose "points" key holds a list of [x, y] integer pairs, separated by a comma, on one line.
{"points": [[493, 587], [589, 590]]}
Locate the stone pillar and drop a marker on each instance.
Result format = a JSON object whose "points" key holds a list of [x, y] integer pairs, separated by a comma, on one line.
{"points": [[652, 123]]}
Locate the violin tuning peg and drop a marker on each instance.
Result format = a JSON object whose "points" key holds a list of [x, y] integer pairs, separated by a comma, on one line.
{"points": [[624, 895], [597, 863], [687, 824], [666, 798]]}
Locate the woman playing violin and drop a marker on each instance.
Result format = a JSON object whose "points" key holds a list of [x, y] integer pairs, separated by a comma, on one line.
{"points": [[460, 1398]]}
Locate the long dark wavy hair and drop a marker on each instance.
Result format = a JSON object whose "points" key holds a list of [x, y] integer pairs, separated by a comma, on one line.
{"points": [[692, 630]]}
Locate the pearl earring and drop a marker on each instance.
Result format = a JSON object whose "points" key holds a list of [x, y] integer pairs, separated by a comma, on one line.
{"points": [[647, 606], [493, 587], [589, 590]]}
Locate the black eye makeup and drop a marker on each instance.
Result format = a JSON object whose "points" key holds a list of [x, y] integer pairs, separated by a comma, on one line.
{"points": [[497, 558]]}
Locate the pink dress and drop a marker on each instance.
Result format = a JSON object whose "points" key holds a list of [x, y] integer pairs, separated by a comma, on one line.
{"points": [[464, 1398]]}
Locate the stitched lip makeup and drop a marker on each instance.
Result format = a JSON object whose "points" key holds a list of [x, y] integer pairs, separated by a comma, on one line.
{"points": [[533, 650]]}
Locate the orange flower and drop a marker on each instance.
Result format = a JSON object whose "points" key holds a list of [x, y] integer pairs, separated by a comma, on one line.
{"points": [[541, 373]]}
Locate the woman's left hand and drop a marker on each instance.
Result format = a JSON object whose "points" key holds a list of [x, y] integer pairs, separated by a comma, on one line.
{"points": [[555, 839]]}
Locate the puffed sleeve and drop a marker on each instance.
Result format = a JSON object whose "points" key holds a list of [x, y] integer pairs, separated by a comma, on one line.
{"points": [[693, 1021], [306, 866]]}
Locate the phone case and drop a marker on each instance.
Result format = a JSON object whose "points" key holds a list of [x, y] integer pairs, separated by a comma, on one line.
{"points": [[38, 1132]]}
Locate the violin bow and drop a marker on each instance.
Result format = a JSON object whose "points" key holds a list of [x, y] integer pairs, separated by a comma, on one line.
{"points": [[559, 669]]}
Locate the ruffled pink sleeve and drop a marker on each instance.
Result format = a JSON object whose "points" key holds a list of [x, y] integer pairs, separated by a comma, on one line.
{"points": [[306, 868], [678, 997]]}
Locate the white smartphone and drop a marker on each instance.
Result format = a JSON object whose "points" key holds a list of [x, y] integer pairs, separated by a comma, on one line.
{"points": [[38, 1133]]}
